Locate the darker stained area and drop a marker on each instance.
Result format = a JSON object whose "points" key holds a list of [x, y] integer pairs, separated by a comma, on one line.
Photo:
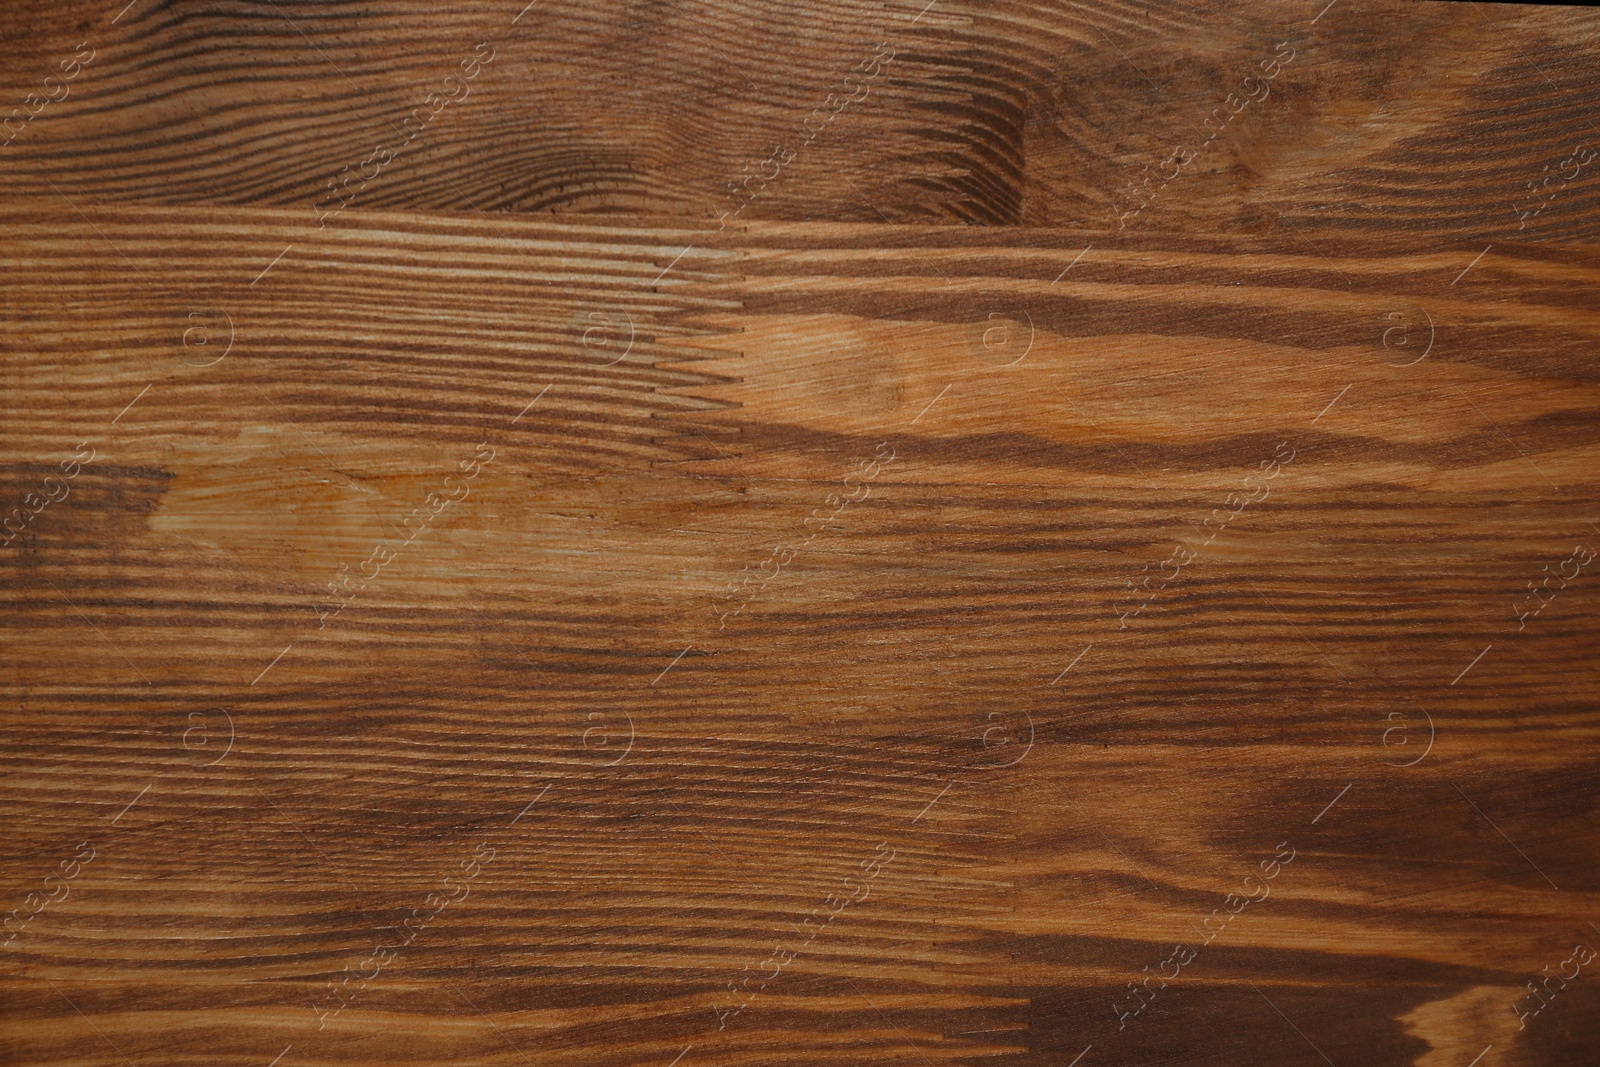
{"points": [[1235, 1025]]}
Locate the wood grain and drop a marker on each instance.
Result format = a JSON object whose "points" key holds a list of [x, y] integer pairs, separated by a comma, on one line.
{"points": [[525, 619], [1393, 116]]}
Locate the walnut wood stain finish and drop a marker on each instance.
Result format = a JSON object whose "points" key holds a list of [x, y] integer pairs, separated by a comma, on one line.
{"points": [[762, 536]]}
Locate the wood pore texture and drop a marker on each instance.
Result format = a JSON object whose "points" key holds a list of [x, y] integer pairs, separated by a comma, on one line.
{"points": [[690, 560]]}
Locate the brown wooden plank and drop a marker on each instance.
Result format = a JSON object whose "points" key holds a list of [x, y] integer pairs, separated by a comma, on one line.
{"points": [[947, 666], [1456, 120]]}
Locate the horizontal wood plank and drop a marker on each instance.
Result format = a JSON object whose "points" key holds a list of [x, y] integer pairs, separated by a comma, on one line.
{"points": [[860, 563]]}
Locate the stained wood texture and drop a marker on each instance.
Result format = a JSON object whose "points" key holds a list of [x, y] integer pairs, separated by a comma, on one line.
{"points": [[523, 620], [1392, 115]]}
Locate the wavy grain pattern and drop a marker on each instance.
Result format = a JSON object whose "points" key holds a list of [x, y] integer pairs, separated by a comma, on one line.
{"points": [[534, 627], [856, 535], [1455, 120]]}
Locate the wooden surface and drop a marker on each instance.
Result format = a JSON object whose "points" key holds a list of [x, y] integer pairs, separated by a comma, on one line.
{"points": [[557, 610]]}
